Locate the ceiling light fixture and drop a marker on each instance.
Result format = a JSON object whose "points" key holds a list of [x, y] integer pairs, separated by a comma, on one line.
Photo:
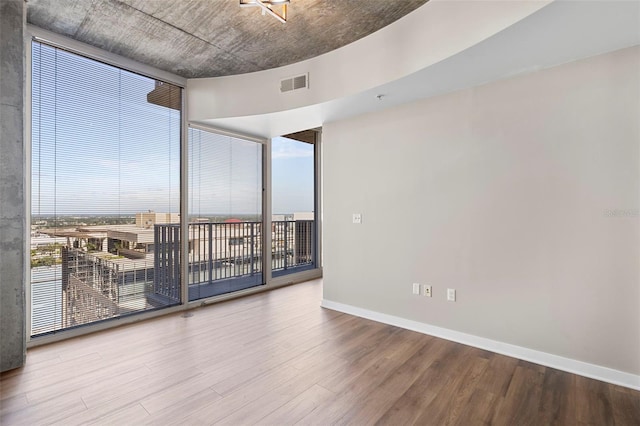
{"points": [[267, 6]]}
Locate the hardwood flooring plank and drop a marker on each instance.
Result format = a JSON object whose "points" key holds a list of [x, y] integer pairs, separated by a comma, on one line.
{"points": [[104, 403], [379, 345], [178, 392], [208, 354], [236, 370], [255, 410], [273, 384], [520, 404], [497, 376], [269, 358], [111, 377], [558, 398], [176, 412], [51, 411], [39, 363], [130, 415], [365, 376], [412, 403], [12, 403], [299, 407], [380, 399], [55, 375], [279, 358], [593, 406], [479, 410], [453, 396], [625, 404]]}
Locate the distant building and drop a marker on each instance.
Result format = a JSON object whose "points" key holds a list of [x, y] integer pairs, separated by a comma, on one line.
{"points": [[303, 216], [304, 237], [150, 218]]}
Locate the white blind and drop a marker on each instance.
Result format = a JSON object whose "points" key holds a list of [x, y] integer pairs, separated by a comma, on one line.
{"points": [[225, 177], [225, 214], [105, 146]]}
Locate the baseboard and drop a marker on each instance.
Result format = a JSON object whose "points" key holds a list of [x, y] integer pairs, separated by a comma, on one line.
{"points": [[549, 360]]}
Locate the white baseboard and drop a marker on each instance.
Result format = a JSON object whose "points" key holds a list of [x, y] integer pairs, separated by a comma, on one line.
{"points": [[549, 360]]}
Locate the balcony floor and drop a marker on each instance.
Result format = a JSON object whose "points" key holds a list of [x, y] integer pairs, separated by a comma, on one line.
{"points": [[278, 358]]}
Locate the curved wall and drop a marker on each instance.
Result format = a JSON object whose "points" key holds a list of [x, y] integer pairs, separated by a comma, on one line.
{"points": [[430, 34]]}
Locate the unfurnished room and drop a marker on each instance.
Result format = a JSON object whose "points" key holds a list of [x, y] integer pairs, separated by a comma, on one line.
{"points": [[322, 212]]}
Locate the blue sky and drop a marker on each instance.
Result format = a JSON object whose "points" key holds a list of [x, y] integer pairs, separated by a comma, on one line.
{"points": [[226, 175], [98, 147], [292, 176]]}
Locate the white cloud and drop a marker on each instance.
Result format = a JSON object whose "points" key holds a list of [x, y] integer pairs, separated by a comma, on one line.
{"points": [[283, 149]]}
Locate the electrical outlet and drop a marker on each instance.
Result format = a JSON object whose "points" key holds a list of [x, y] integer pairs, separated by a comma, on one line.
{"points": [[416, 288], [426, 290], [357, 218], [451, 294]]}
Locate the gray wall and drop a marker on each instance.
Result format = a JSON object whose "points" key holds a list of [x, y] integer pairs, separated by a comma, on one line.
{"points": [[523, 195], [12, 178]]}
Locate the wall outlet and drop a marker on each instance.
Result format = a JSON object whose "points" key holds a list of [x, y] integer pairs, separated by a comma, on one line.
{"points": [[357, 218], [426, 290], [451, 294], [416, 288]]}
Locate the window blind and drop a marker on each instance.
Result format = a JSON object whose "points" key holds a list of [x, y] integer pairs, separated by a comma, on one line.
{"points": [[225, 213], [105, 176]]}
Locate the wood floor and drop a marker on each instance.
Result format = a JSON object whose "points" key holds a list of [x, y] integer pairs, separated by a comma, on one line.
{"points": [[278, 358]]}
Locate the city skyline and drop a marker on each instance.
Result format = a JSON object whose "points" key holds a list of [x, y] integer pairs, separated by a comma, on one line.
{"points": [[289, 195]]}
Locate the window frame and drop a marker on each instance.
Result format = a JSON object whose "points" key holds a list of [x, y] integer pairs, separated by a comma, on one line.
{"points": [[266, 236], [34, 33], [316, 271]]}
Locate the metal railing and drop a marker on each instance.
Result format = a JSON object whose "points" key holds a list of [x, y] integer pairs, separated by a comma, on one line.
{"points": [[86, 287], [223, 257], [292, 245], [220, 251], [223, 251], [166, 263]]}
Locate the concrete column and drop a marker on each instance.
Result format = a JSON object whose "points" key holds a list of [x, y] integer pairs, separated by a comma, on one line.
{"points": [[13, 242]]}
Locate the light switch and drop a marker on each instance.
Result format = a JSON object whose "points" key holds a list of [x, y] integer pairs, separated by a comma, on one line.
{"points": [[451, 294]]}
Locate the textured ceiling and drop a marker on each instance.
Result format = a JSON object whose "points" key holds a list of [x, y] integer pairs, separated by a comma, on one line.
{"points": [[211, 38]]}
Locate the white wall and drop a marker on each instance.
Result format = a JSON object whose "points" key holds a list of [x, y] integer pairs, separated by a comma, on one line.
{"points": [[503, 192], [386, 55]]}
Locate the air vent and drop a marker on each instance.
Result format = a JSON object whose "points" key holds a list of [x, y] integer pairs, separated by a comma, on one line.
{"points": [[294, 83]]}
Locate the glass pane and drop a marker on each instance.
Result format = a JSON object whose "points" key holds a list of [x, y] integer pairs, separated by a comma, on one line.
{"points": [[225, 214], [293, 217], [105, 149]]}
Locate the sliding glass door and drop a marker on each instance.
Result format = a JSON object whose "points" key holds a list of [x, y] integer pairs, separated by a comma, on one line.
{"points": [[225, 213], [294, 200]]}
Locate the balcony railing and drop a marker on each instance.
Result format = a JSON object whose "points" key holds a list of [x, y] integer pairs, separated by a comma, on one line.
{"points": [[91, 286], [292, 246], [223, 257]]}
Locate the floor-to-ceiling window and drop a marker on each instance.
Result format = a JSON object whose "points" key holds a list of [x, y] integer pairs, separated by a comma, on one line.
{"points": [[294, 203], [105, 191], [110, 177], [225, 213]]}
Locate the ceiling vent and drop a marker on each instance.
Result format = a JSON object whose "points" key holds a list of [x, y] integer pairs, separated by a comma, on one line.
{"points": [[294, 83]]}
